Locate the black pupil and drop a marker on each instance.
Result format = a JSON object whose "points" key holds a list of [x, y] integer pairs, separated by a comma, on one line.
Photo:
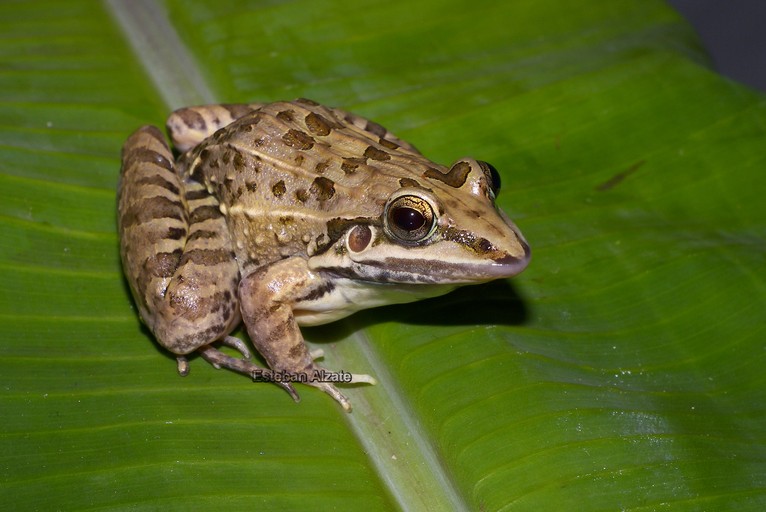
{"points": [[494, 177], [408, 219]]}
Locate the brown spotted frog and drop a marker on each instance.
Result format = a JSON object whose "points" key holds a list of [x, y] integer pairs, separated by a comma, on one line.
{"points": [[286, 214]]}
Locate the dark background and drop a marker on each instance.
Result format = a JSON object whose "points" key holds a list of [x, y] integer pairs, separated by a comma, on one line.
{"points": [[734, 34]]}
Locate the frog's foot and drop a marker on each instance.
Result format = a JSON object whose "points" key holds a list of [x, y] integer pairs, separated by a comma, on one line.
{"points": [[229, 341], [220, 360]]}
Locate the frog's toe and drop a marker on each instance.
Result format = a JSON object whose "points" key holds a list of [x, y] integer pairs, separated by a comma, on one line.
{"points": [[324, 379], [238, 345], [362, 378], [183, 366], [317, 353], [334, 392]]}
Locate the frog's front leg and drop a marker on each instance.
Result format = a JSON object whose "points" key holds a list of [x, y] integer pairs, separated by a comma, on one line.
{"points": [[269, 297]]}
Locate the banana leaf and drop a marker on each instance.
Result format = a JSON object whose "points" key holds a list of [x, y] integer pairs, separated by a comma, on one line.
{"points": [[623, 370]]}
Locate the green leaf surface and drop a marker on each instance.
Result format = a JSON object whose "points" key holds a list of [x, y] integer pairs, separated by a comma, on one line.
{"points": [[622, 371]]}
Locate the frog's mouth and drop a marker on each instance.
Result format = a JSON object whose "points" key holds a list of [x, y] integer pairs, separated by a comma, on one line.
{"points": [[453, 267], [497, 265]]}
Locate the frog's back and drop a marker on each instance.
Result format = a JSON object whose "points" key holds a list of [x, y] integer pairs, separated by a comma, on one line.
{"points": [[287, 173]]}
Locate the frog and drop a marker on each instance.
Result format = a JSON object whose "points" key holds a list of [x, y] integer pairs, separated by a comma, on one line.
{"points": [[289, 214]]}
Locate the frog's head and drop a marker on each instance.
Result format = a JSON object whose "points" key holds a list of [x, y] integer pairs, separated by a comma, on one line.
{"points": [[441, 229]]}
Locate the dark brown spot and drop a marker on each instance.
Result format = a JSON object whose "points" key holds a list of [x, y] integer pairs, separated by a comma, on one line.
{"points": [[454, 178], [317, 124], [207, 257], [163, 264], [359, 237], [193, 195], [376, 129], [321, 167], [374, 153], [306, 101], [322, 188], [175, 234], [388, 143], [145, 156], [204, 213], [302, 195], [239, 161], [157, 207], [286, 115], [158, 181], [299, 160], [202, 234], [279, 188], [350, 164], [409, 182], [251, 186], [298, 139], [191, 118]]}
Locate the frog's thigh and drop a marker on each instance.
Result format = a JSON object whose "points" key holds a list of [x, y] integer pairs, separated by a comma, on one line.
{"points": [[191, 125], [176, 250]]}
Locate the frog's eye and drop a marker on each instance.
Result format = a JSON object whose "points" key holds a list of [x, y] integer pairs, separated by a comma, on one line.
{"points": [[493, 177], [409, 218]]}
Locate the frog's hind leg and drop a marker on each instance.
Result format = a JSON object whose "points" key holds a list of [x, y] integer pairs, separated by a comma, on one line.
{"points": [[220, 360], [176, 249], [191, 125]]}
